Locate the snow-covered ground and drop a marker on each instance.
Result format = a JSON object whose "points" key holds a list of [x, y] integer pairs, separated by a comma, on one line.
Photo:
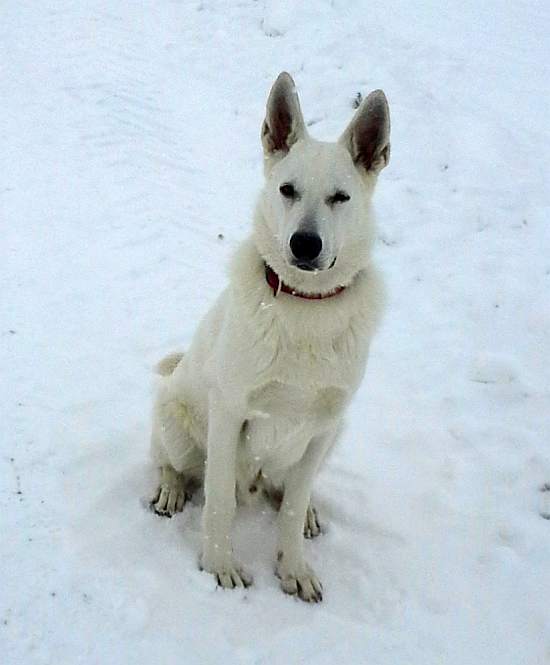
{"points": [[125, 128]]}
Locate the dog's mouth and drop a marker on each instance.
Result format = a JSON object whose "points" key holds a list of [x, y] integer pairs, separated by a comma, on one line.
{"points": [[307, 267], [312, 266]]}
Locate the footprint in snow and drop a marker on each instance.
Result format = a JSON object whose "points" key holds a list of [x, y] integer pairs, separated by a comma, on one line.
{"points": [[492, 368], [544, 511]]}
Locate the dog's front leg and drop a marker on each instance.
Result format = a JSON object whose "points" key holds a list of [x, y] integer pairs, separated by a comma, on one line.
{"points": [[224, 428], [297, 577]]}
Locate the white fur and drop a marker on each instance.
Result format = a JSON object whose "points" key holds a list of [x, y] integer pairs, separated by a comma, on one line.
{"points": [[261, 391]]}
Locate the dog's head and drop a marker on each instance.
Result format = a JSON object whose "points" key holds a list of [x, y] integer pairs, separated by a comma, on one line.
{"points": [[313, 225]]}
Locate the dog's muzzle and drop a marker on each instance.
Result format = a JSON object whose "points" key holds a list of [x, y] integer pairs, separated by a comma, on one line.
{"points": [[306, 248]]}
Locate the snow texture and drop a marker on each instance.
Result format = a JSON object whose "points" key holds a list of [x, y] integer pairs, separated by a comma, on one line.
{"points": [[130, 163]]}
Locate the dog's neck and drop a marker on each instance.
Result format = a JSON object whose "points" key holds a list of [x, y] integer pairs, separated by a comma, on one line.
{"points": [[301, 319], [278, 286]]}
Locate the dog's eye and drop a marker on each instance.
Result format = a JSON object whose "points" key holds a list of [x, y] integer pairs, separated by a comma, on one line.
{"points": [[338, 197], [288, 191]]}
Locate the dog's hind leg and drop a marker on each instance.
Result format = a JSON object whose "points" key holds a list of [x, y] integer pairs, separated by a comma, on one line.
{"points": [[177, 484], [171, 494], [312, 526], [180, 461]]}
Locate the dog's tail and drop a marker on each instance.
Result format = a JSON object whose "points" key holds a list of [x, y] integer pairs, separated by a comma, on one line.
{"points": [[168, 364]]}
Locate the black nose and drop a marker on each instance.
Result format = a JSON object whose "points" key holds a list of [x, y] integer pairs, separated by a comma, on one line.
{"points": [[305, 246]]}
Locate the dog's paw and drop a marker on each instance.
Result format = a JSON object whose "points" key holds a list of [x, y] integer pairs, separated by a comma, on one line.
{"points": [[233, 577], [171, 494], [300, 581], [168, 500], [312, 528], [229, 575]]}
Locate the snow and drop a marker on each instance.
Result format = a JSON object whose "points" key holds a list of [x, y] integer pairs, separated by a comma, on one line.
{"points": [[130, 135]]}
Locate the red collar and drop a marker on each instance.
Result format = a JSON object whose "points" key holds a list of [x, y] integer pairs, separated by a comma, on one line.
{"points": [[277, 285]]}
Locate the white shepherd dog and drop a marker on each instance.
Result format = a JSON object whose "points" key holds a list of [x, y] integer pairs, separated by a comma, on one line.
{"points": [[256, 402]]}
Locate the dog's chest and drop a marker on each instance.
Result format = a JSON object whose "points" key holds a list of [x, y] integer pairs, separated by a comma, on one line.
{"points": [[295, 402], [282, 420], [300, 391]]}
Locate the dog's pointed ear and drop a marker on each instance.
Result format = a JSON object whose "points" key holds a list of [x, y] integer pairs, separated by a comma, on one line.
{"points": [[367, 137], [284, 123]]}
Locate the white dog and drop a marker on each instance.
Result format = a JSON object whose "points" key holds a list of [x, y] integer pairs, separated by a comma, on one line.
{"points": [[258, 398]]}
